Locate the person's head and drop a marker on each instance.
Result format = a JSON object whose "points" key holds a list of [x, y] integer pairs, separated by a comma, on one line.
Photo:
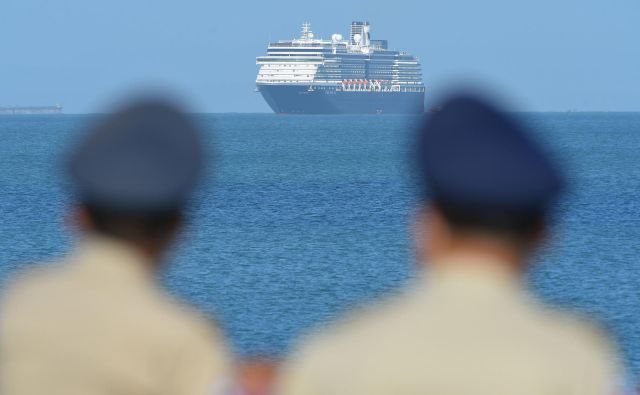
{"points": [[150, 231], [487, 186], [134, 173]]}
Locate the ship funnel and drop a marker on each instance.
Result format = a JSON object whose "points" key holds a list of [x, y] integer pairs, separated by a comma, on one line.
{"points": [[361, 30]]}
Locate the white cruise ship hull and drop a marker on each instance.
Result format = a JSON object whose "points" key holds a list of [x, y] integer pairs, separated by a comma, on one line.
{"points": [[300, 99]]}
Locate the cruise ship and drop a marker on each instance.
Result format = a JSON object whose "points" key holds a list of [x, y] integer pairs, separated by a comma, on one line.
{"points": [[343, 75]]}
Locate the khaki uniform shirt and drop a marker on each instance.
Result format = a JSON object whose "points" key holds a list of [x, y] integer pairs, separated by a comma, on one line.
{"points": [[468, 329], [97, 324]]}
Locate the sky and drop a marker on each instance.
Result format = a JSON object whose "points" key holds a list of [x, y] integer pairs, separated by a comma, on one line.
{"points": [[544, 55]]}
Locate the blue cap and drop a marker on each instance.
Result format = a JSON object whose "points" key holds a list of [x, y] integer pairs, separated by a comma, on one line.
{"points": [[144, 158], [473, 156]]}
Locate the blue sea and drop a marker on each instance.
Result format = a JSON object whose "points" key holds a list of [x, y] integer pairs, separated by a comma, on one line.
{"points": [[300, 218]]}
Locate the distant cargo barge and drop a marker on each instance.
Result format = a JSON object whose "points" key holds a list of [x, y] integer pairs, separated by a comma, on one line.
{"points": [[15, 110]]}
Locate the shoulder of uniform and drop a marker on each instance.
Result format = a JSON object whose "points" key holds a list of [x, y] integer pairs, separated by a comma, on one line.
{"points": [[200, 334], [34, 277], [328, 351], [361, 325], [577, 330], [184, 320], [574, 322], [589, 349]]}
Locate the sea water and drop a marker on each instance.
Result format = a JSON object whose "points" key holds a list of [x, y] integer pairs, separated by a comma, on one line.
{"points": [[300, 218]]}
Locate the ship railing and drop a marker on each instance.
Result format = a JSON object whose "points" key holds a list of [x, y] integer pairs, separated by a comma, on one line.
{"points": [[371, 86]]}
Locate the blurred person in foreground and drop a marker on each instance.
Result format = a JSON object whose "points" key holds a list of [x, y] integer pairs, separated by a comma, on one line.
{"points": [[99, 323], [469, 326]]}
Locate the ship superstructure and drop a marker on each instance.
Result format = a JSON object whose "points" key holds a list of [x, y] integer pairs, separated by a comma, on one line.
{"points": [[341, 75]]}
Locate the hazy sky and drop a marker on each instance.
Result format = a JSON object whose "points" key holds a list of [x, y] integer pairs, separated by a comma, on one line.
{"points": [[546, 54]]}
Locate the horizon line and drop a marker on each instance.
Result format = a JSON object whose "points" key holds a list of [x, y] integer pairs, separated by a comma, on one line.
{"points": [[273, 113]]}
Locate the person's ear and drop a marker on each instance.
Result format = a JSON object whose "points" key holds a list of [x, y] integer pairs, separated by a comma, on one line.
{"points": [[78, 219], [439, 233], [432, 234]]}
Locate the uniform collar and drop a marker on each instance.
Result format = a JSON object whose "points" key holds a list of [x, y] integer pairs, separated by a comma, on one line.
{"points": [[470, 276], [112, 259]]}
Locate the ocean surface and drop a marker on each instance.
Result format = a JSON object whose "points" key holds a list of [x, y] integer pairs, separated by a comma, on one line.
{"points": [[303, 217]]}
